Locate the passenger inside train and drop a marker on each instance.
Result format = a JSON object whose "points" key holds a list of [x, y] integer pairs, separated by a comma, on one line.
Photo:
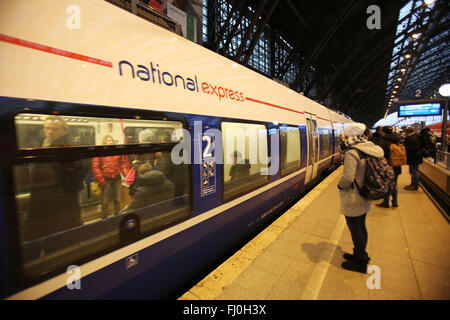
{"points": [[240, 167], [61, 217]]}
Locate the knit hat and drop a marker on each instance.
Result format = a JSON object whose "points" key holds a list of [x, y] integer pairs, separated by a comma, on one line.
{"points": [[355, 129], [146, 136], [354, 133]]}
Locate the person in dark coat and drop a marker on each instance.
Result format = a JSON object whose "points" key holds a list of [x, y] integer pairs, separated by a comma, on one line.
{"points": [[145, 136], [152, 187], [238, 169], [54, 204], [414, 157], [389, 138], [376, 137], [428, 142]]}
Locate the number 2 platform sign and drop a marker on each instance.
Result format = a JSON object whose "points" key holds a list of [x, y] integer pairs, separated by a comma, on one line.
{"points": [[208, 166]]}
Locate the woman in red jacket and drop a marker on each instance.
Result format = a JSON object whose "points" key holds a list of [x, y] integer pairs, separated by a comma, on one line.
{"points": [[106, 171]]}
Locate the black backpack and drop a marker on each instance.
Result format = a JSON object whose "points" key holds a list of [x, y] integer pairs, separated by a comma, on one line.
{"points": [[379, 178]]}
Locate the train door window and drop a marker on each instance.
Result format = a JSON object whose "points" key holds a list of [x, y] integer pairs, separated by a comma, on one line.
{"points": [[316, 140], [245, 156], [290, 149], [324, 143], [310, 141], [71, 207]]}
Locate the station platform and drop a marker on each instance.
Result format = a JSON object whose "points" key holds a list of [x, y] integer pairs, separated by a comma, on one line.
{"points": [[299, 256]]}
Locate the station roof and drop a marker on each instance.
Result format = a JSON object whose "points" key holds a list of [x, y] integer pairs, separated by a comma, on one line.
{"points": [[338, 60]]}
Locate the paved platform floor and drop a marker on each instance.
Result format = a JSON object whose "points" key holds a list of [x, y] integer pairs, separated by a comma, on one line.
{"points": [[299, 256]]}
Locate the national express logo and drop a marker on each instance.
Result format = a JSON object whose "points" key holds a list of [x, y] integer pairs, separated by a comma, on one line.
{"points": [[155, 75]]}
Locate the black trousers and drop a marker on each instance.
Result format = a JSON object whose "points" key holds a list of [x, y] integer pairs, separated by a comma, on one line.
{"points": [[357, 227]]}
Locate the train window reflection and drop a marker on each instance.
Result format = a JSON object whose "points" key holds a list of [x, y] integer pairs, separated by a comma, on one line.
{"points": [[73, 209], [48, 131], [244, 146]]}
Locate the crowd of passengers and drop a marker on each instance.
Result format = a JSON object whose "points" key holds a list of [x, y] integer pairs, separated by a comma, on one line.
{"points": [[54, 202]]}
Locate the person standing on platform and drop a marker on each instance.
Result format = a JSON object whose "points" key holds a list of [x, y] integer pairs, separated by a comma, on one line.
{"points": [[376, 137], [353, 206], [388, 139], [428, 143], [414, 157]]}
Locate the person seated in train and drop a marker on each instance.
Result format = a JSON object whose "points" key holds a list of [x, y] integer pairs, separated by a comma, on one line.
{"points": [[106, 172], [239, 169], [53, 203], [163, 159], [173, 172], [145, 136], [152, 187]]}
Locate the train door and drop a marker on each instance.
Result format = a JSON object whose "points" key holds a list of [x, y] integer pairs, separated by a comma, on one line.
{"points": [[313, 147]]}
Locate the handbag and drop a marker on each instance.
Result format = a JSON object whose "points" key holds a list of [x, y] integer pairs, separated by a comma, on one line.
{"points": [[96, 189]]}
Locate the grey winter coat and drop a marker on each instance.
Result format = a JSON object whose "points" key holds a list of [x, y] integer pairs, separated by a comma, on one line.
{"points": [[352, 204], [152, 187]]}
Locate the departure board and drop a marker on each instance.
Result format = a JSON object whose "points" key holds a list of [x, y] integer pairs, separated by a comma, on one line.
{"points": [[423, 109]]}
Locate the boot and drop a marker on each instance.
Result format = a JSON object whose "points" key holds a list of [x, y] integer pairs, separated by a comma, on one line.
{"points": [[348, 256], [394, 204], [357, 265], [384, 204]]}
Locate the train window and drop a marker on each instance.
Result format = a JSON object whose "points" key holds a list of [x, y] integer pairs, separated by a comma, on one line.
{"points": [[45, 131], [290, 149], [245, 155], [325, 138], [76, 209], [70, 210]]}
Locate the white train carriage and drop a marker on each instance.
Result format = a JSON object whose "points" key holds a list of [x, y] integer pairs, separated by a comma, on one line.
{"points": [[245, 147]]}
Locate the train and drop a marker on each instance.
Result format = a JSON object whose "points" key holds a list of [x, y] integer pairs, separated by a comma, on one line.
{"points": [[231, 147]]}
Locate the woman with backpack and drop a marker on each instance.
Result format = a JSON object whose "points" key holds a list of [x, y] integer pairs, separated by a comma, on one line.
{"points": [[395, 154], [353, 205]]}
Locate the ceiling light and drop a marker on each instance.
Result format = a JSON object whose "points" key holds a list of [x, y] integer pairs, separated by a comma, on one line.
{"points": [[428, 2], [399, 79], [403, 70], [444, 90], [415, 35], [407, 56]]}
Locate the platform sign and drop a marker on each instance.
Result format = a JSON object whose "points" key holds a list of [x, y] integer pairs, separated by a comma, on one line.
{"points": [[208, 167], [422, 109]]}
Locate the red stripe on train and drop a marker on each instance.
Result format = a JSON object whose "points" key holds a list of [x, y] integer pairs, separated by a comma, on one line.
{"points": [[60, 52]]}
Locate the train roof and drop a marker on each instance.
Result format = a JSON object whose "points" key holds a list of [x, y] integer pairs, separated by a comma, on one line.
{"points": [[115, 58]]}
